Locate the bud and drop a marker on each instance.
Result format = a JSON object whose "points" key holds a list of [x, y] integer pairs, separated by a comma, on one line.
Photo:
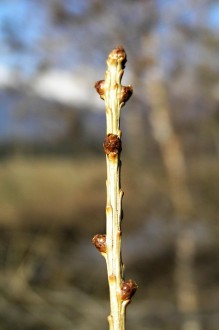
{"points": [[118, 54], [100, 88], [112, 144], [126, 93], [100, 242], [128, 288]]}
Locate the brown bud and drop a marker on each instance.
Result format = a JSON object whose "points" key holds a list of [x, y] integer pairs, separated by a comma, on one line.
{"points": [[112, 144], [100, 242], [118, 54], [126, 93], [100, 88], [129, 288]]}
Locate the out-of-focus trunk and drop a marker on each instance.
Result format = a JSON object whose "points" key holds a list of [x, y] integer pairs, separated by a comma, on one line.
{"points": [[174, 161]]}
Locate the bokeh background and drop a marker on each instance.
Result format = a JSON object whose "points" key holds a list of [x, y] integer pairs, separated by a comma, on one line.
{"points": [[52, 167]]}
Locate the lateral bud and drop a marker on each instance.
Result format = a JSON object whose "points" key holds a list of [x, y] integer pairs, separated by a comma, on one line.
{"points": [[99, 242], [112, 144], [128, 289], [99, 85], [126, 93]]}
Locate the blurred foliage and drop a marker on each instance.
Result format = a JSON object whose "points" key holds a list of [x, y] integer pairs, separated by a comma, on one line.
{"points": [[52, 169]]}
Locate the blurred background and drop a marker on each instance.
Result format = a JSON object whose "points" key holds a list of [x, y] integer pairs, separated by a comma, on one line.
{"points": [[52, 167]]}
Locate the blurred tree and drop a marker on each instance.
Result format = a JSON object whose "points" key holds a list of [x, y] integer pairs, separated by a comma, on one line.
{"points": [[59, 45]]}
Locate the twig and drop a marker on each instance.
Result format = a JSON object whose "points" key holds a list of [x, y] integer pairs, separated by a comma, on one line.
{"points": [[115, 96]]}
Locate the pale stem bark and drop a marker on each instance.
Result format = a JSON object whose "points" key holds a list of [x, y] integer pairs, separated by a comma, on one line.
{"points": [[115, 95], [114, 197]]}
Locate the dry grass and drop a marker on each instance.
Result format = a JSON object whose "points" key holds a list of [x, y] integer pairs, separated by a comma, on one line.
{"points": [[72, 191], [47, 271]]}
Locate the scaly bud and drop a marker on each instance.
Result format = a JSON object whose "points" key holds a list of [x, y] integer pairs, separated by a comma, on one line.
{"points": [[126, 93], [118, 54], [128, 288], [99, 85], [100, 242], [112, 144]]}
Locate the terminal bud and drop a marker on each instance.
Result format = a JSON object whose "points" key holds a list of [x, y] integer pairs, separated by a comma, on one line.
{"points": [[118, 54]]}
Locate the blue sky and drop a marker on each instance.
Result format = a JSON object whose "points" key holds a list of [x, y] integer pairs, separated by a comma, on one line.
{"points": [[26, 21], [23, 22], [26, 26], [213, 17]]}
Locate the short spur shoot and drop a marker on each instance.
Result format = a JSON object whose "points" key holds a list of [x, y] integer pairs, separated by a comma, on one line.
{"points": [[115, 96]]}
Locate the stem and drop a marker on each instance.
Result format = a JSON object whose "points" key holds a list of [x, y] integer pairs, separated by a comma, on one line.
{"points": [[114, 194], [115, 96]]}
